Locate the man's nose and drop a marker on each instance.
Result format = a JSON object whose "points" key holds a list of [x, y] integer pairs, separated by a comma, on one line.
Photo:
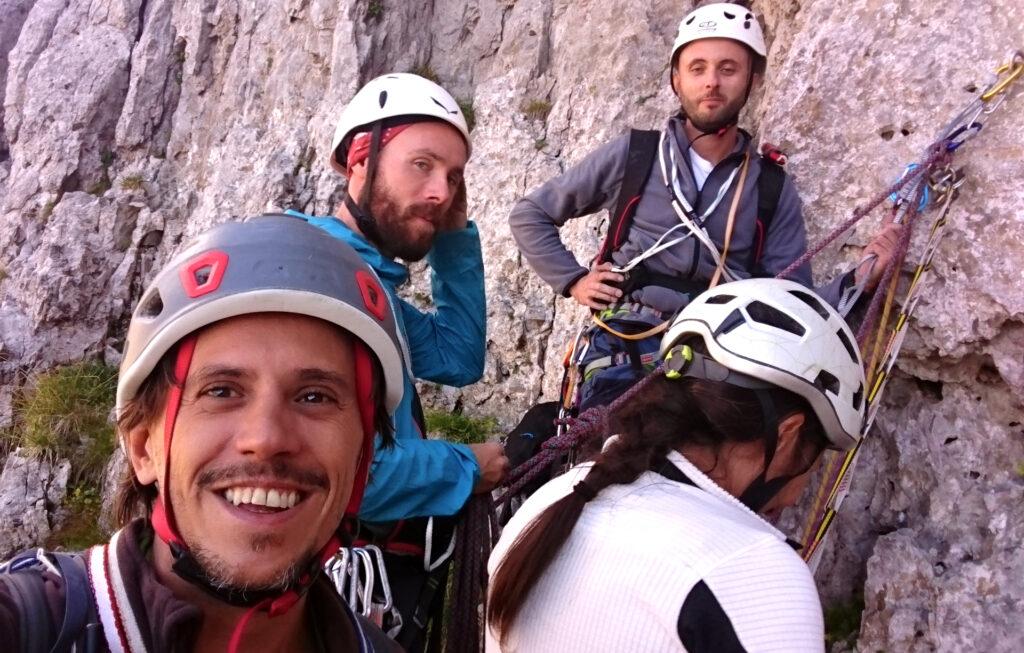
{"points": [[438, 190], [263, 429]]}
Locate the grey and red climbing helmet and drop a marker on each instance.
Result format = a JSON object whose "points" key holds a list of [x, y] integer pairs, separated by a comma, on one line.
{"points": [[780, 333], [267, 264], [722, 20], [394, 96]]}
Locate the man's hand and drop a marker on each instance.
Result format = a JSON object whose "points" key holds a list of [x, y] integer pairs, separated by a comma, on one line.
{"points": [[593, 290], [883, 246], [490, 456], [457, 217]]}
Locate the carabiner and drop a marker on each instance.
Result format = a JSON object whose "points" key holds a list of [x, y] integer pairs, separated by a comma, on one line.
{"points": [[962, 134], [902, 195], [1012, 69]]}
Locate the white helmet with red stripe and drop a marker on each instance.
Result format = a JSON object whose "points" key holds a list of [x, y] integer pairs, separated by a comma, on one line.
{"points": [[394, 95]]}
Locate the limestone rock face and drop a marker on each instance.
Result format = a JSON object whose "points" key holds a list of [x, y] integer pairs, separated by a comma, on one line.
{"points": [[129, 126], [30, 491]]}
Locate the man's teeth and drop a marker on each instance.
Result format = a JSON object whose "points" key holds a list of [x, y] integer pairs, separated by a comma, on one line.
{"points": [[259, 496]]}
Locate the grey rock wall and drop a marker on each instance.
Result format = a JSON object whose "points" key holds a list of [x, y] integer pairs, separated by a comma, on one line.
{"points": [[130, 125]]}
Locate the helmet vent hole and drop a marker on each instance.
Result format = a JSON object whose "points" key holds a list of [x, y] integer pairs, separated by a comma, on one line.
{"points": [[151, 306], [734, 320], [720, 299], [202, 275], [811, 301], [858, 397], [771, 316], [827, 382], [382, 98], [845, 339], [746, 24], [728, 15], [691, 20]]}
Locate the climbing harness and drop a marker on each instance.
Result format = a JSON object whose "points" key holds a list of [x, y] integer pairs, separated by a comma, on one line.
{"points": [[932, 182]]}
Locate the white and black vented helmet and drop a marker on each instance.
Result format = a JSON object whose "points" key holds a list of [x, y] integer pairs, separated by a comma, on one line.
{"points": [[780, 332], [723, 20], [273, 263], [392, 96]]}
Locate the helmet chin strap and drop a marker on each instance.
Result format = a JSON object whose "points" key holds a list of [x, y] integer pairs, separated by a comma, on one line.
{"points": [[761, 491], [361, 211]]}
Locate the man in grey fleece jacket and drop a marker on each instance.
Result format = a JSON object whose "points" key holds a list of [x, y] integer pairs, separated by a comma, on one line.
{"points": [[719, 54]]}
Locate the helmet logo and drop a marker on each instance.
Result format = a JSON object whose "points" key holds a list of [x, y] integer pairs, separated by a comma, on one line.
{"points": [[708, 24], [204, 273], [373, 295]]}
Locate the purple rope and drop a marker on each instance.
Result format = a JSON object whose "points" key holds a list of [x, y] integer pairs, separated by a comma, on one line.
{"points": [[591, 423], [938, 154]]}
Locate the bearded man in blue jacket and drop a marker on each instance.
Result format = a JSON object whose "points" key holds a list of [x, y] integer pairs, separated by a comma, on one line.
{"points": [[403, 142]]}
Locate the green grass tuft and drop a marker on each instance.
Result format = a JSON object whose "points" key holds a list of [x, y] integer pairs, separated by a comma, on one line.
{"points": [[65, 416], [132, 182], [466, 105], [81, 529], [1020, 469], [375, 9], [463, 429], [540, 144], [536, 109], [842, 620]]}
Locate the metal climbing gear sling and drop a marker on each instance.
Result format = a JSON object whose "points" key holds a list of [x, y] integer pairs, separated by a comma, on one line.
{"points": [[932, 182]]}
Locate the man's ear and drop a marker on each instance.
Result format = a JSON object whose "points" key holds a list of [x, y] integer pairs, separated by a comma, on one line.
{"points": [[144, 448], [673, 78], [357, 179], [755, 81]]}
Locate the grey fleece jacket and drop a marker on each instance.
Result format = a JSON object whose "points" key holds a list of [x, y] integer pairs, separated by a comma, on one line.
{"points": [[593, 184]]}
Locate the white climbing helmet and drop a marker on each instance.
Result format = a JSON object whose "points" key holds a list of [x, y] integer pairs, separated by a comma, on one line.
{"points": [[722, 20], [780, 332], [390, 96]]}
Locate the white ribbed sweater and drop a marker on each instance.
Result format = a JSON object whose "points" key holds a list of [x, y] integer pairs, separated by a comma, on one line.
{"points": [[636, 553]]}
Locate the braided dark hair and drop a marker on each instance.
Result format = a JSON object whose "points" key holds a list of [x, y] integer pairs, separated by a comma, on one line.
{"points": [[668, 415]]}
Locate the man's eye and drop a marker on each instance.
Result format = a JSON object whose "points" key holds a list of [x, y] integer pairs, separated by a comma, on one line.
{"points": [[314, 397], [220, 392], [422, 165]]}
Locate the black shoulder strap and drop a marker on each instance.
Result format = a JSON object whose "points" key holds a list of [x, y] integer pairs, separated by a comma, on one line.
{"points": [[769, 190], [79, 607], [643, 146]]}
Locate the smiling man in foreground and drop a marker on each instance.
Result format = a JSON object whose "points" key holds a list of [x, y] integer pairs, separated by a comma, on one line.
{"points": [[253, 382]]}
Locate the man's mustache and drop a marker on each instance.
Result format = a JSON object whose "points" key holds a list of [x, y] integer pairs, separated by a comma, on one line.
{"points": [[276, 470]]}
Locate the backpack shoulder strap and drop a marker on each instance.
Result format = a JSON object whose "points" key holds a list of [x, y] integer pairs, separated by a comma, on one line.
{"points": [[643, 146], [79, 607], [769, 190]]}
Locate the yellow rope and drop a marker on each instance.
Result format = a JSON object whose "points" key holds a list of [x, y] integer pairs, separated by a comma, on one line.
{"points": [[626, 336]]}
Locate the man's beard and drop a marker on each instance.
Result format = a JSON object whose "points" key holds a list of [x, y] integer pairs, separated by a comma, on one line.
{"points": [[724, 116], [393, 224], [224, 576]]}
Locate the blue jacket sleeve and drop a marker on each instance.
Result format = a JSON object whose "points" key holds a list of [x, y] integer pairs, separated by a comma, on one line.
{"points": [[418, 478], [448, 344]]}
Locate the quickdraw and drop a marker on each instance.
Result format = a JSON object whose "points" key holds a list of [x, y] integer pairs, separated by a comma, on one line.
{"points": [[933, 182]]}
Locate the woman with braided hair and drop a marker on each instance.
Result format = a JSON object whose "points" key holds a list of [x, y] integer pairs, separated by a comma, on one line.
{"points": [[660, 543]]}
